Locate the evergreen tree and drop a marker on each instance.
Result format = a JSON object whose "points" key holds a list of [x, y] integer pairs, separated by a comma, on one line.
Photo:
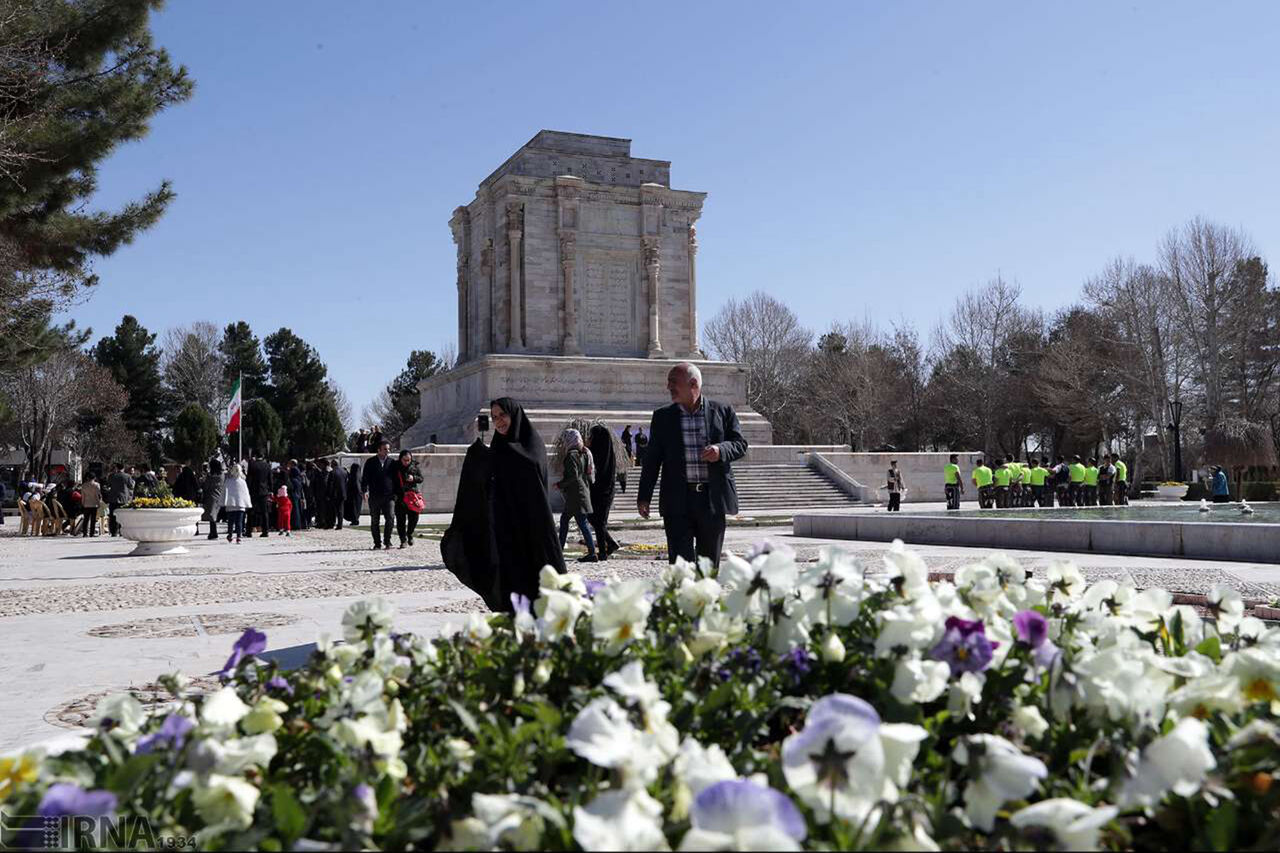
{"points": [[131, 356], [318, 429], [263, 431], [79, 78], [242, 356], [195, 435], [397, 409], [298, 386]]}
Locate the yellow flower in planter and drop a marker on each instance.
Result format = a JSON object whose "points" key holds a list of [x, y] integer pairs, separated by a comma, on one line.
{"points": [[16, 771]]}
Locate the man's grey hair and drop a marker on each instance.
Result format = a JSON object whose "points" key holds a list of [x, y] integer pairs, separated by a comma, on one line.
{"points": [[691, 370]]}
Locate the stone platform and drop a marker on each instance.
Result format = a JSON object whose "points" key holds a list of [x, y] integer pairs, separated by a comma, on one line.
{"points": [[554, 389]]}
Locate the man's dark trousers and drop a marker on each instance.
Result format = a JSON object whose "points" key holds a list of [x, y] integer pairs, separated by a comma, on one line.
{"points": [[381, 508], [895, 502], [698, 523], [953, 495]]}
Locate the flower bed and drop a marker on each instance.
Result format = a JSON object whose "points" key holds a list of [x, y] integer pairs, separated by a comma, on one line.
{"points": [[771, 705]]}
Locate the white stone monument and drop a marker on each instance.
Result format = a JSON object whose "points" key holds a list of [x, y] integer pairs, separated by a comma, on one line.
{"points": [[577, 291]]}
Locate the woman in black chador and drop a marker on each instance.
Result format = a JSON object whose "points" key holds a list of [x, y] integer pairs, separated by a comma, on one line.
{"points": [[600, 443], [503, 532]]}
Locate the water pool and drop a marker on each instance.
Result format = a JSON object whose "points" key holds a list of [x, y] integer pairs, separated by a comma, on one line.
{"points": [[1182, 511]]}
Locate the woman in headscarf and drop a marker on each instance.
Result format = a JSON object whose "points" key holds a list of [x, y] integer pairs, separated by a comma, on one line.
{"points": [[575, 487], [213, 487], [503, 532], [354, 498], [600, 443]]}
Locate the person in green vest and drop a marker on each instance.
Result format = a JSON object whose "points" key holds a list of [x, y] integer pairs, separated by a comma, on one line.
{"points": [[1122, 480], [1075, 483], [1015, 482], [1036, 475], [1091, 483], [951, 482], [982, 482], [1002, 474]]}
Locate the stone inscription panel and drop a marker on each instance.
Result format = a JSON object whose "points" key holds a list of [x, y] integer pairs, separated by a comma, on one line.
{"points": [[608, 298]]}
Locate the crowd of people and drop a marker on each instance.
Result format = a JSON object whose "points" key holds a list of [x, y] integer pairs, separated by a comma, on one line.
{"points": [[1074, 482]]}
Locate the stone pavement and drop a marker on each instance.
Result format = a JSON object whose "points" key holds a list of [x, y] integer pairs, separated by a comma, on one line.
{"points": [[78, 617]]}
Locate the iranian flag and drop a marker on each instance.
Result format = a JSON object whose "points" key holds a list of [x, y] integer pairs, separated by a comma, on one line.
{"points": [[233, 408]]}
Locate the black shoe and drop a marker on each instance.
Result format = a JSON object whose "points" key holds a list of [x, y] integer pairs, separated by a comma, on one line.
{"points": [[590, 558], [401, 545], [212, 536], [264, 535], [410, 540], [377, 546]]}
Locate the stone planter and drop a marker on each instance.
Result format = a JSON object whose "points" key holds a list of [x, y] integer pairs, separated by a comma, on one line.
{"points": [[158, 531], [1171, 493]]}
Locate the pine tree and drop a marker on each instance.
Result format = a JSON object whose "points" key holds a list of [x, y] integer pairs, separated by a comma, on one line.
{"points": [[79, 78], [317, 429], [242, 356], [195, 435], [263, 431], [297, 381], [131, 356]]}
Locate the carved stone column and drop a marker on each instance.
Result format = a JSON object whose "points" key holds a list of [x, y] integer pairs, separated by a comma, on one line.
{"points": [[695, 351], [651, 198], [568, 190], [568, 250], [487, 275], [515, 230], [653, 273], [460, 224]]}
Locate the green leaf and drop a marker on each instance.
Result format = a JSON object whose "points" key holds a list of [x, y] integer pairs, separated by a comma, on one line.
{"points": [[125, 777], [290, 817], [464, 717], [1221, 826], [1211, 647]]}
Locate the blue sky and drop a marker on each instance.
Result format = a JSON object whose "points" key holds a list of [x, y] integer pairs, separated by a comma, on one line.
{"points": [[863, 160]]}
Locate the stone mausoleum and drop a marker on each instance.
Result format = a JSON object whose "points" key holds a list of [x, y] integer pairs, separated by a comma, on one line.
{"points": [[576, 293]]}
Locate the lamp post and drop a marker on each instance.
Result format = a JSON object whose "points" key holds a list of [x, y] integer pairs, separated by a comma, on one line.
{"points": [[1175, 417]]}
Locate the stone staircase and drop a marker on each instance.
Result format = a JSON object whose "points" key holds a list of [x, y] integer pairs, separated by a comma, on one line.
{"points": [[764, 488]]}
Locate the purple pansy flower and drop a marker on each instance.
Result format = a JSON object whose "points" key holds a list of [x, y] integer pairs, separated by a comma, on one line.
{"points": [[1033, 629], [172, 732], [798, 662], [520, 604], [251, 642], [740, 805], [67, 799], [593, 586], [964, 646], [277, 682]]}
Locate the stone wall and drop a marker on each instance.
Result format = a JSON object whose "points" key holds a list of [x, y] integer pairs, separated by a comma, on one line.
{"points": [[921, 472]]}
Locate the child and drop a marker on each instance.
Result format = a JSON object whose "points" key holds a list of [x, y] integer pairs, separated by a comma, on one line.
{"points": [[284, 510]]}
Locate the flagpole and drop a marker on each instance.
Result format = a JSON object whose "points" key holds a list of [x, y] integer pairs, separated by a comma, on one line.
{"points": [[240, 432]]}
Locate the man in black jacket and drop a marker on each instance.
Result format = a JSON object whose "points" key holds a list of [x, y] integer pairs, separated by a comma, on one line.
{"points": [[693, 442], [337, 493], [119, 491], [379, 492], [258, 479]]}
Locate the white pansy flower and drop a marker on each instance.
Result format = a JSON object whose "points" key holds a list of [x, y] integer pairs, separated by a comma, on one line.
{"points": [[225, 802], [790, 626], [264, 716], [695, 596], [833, 648], [835, 587], [1206, 695], [1177, 762], [223, 709], [907, 570], [715, 630], [910, 628], [620, 614], [1028, 720], [470, 833], [629, 683], [741, 814], [477, 628], [966, 691], [676, 574], [570, 582], [603, 734], [841, 760], [558, 613], [513, 820], [1251, 629], [698, 766], [232, 756], [1227, 607], [917, 681], [1257, 670], [1066, 580], [620, 820], [375, 611], [1071, 824], [121, 713], [999, 773]]}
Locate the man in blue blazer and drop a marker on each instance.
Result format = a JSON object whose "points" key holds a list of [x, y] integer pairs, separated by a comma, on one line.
{"points": [[693, 443]]}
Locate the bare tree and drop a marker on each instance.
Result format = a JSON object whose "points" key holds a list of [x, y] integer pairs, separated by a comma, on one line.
{"points": [[1199, 260], [48, 398], [765, 335], [191, 363], [853, 386], [341, 403]]}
